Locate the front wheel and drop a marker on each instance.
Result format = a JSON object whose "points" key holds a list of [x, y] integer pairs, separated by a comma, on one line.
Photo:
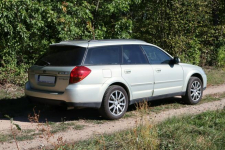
{"points": [[115, 103], [194, 91]]}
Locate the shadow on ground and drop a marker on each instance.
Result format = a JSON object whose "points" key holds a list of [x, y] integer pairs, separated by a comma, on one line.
{"points": [[19, 109], [160, 102]]}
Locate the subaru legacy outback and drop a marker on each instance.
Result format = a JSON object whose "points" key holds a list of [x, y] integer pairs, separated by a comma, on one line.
{"points": [[110, 75]]}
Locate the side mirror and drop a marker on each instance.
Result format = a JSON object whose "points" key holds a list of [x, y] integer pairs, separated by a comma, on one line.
{"points": [[176, 60]]}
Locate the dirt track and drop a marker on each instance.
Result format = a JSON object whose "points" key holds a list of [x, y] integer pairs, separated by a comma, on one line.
{"points": [[92, 129]]}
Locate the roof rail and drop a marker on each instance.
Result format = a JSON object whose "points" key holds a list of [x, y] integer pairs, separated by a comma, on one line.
{"points": [[103, 40], [116, 40]]}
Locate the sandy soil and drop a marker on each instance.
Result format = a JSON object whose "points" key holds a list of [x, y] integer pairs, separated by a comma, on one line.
{"points": [[92, 129]]}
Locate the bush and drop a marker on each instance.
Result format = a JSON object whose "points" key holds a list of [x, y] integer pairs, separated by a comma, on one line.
{"points": [[187, 29], [221, 56]]}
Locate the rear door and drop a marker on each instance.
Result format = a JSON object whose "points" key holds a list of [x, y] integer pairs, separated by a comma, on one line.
{"points": [[168, 78], [137, 72], [52, 71]]}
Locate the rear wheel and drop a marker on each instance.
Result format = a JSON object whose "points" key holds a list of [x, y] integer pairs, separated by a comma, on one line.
{"points": [[115, 103], [194, 91]]}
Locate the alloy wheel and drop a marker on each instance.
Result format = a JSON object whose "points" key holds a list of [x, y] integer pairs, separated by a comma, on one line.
{"points": [[196, 91], [117, 103]]}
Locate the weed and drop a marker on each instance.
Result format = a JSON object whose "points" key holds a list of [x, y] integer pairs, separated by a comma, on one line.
{"points": [[14, 130], [142, 107], [45, 130]]}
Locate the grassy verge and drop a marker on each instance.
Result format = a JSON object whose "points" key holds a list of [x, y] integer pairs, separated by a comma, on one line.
{"points": [[203, 131], [215, 76]]}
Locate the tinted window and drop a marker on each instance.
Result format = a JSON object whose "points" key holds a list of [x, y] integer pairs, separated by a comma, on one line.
{"points": [[156, 56], [104, 55], [132, 54], [62, 56]]}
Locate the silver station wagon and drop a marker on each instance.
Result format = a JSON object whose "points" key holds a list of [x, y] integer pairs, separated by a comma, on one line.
{"points": [[110, 75]]}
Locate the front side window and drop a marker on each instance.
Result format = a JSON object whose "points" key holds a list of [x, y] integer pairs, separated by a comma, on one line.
{"points": [[156, 56], [132, 54], [103, 55]]}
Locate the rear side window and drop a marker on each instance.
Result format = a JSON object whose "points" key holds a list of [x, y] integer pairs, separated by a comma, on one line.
{"points": [[132, 54], [103, 55], [156, 56], [62, 56]]}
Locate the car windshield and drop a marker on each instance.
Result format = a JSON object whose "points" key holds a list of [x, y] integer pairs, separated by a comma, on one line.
{"points": [[62, 56]]}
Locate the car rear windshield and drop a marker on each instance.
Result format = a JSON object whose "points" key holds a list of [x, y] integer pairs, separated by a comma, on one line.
{"points": [[62, 56]]}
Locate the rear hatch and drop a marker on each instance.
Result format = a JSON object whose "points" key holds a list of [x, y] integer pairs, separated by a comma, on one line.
{"points": [[52, 71]]}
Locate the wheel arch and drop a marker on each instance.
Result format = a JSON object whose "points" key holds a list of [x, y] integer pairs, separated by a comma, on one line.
{"points": [[198, 76], [194, 74], [125, 88]]}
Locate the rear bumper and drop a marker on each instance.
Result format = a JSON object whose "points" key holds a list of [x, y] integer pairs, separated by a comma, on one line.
{"points": [[61, 102], [74, 95]]}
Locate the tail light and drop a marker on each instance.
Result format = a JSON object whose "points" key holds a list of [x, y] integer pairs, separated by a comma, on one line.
{"points": [[79, 73]]}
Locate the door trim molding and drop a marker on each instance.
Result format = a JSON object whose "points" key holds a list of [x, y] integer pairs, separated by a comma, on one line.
{"points": [[137, 84], [156, 97], [168, 81]]}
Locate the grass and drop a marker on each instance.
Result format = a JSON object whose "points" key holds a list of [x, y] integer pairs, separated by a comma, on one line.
{"points": [[203, 131], [215, 76], [27, 134], [63, 126], [171, 103], [175, 103], [96, 121], [129, 115], [78, 127], [11, 92]]}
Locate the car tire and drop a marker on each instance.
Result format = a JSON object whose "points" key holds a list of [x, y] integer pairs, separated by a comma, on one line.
{"points": [[194, 91], [115, 103]]}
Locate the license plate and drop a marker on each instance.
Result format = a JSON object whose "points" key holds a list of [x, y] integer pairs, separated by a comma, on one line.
{"points": [[46, 79]]}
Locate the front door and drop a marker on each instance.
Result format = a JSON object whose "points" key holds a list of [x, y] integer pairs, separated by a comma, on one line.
{"points": [[168, 78]]}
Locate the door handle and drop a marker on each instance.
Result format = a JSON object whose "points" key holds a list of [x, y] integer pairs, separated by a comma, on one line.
{"points": [[158, 70], [127, 71]]}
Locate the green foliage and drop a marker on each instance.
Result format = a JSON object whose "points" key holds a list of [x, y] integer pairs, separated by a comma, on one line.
{"points": [[190, 29], [221, 56]]}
